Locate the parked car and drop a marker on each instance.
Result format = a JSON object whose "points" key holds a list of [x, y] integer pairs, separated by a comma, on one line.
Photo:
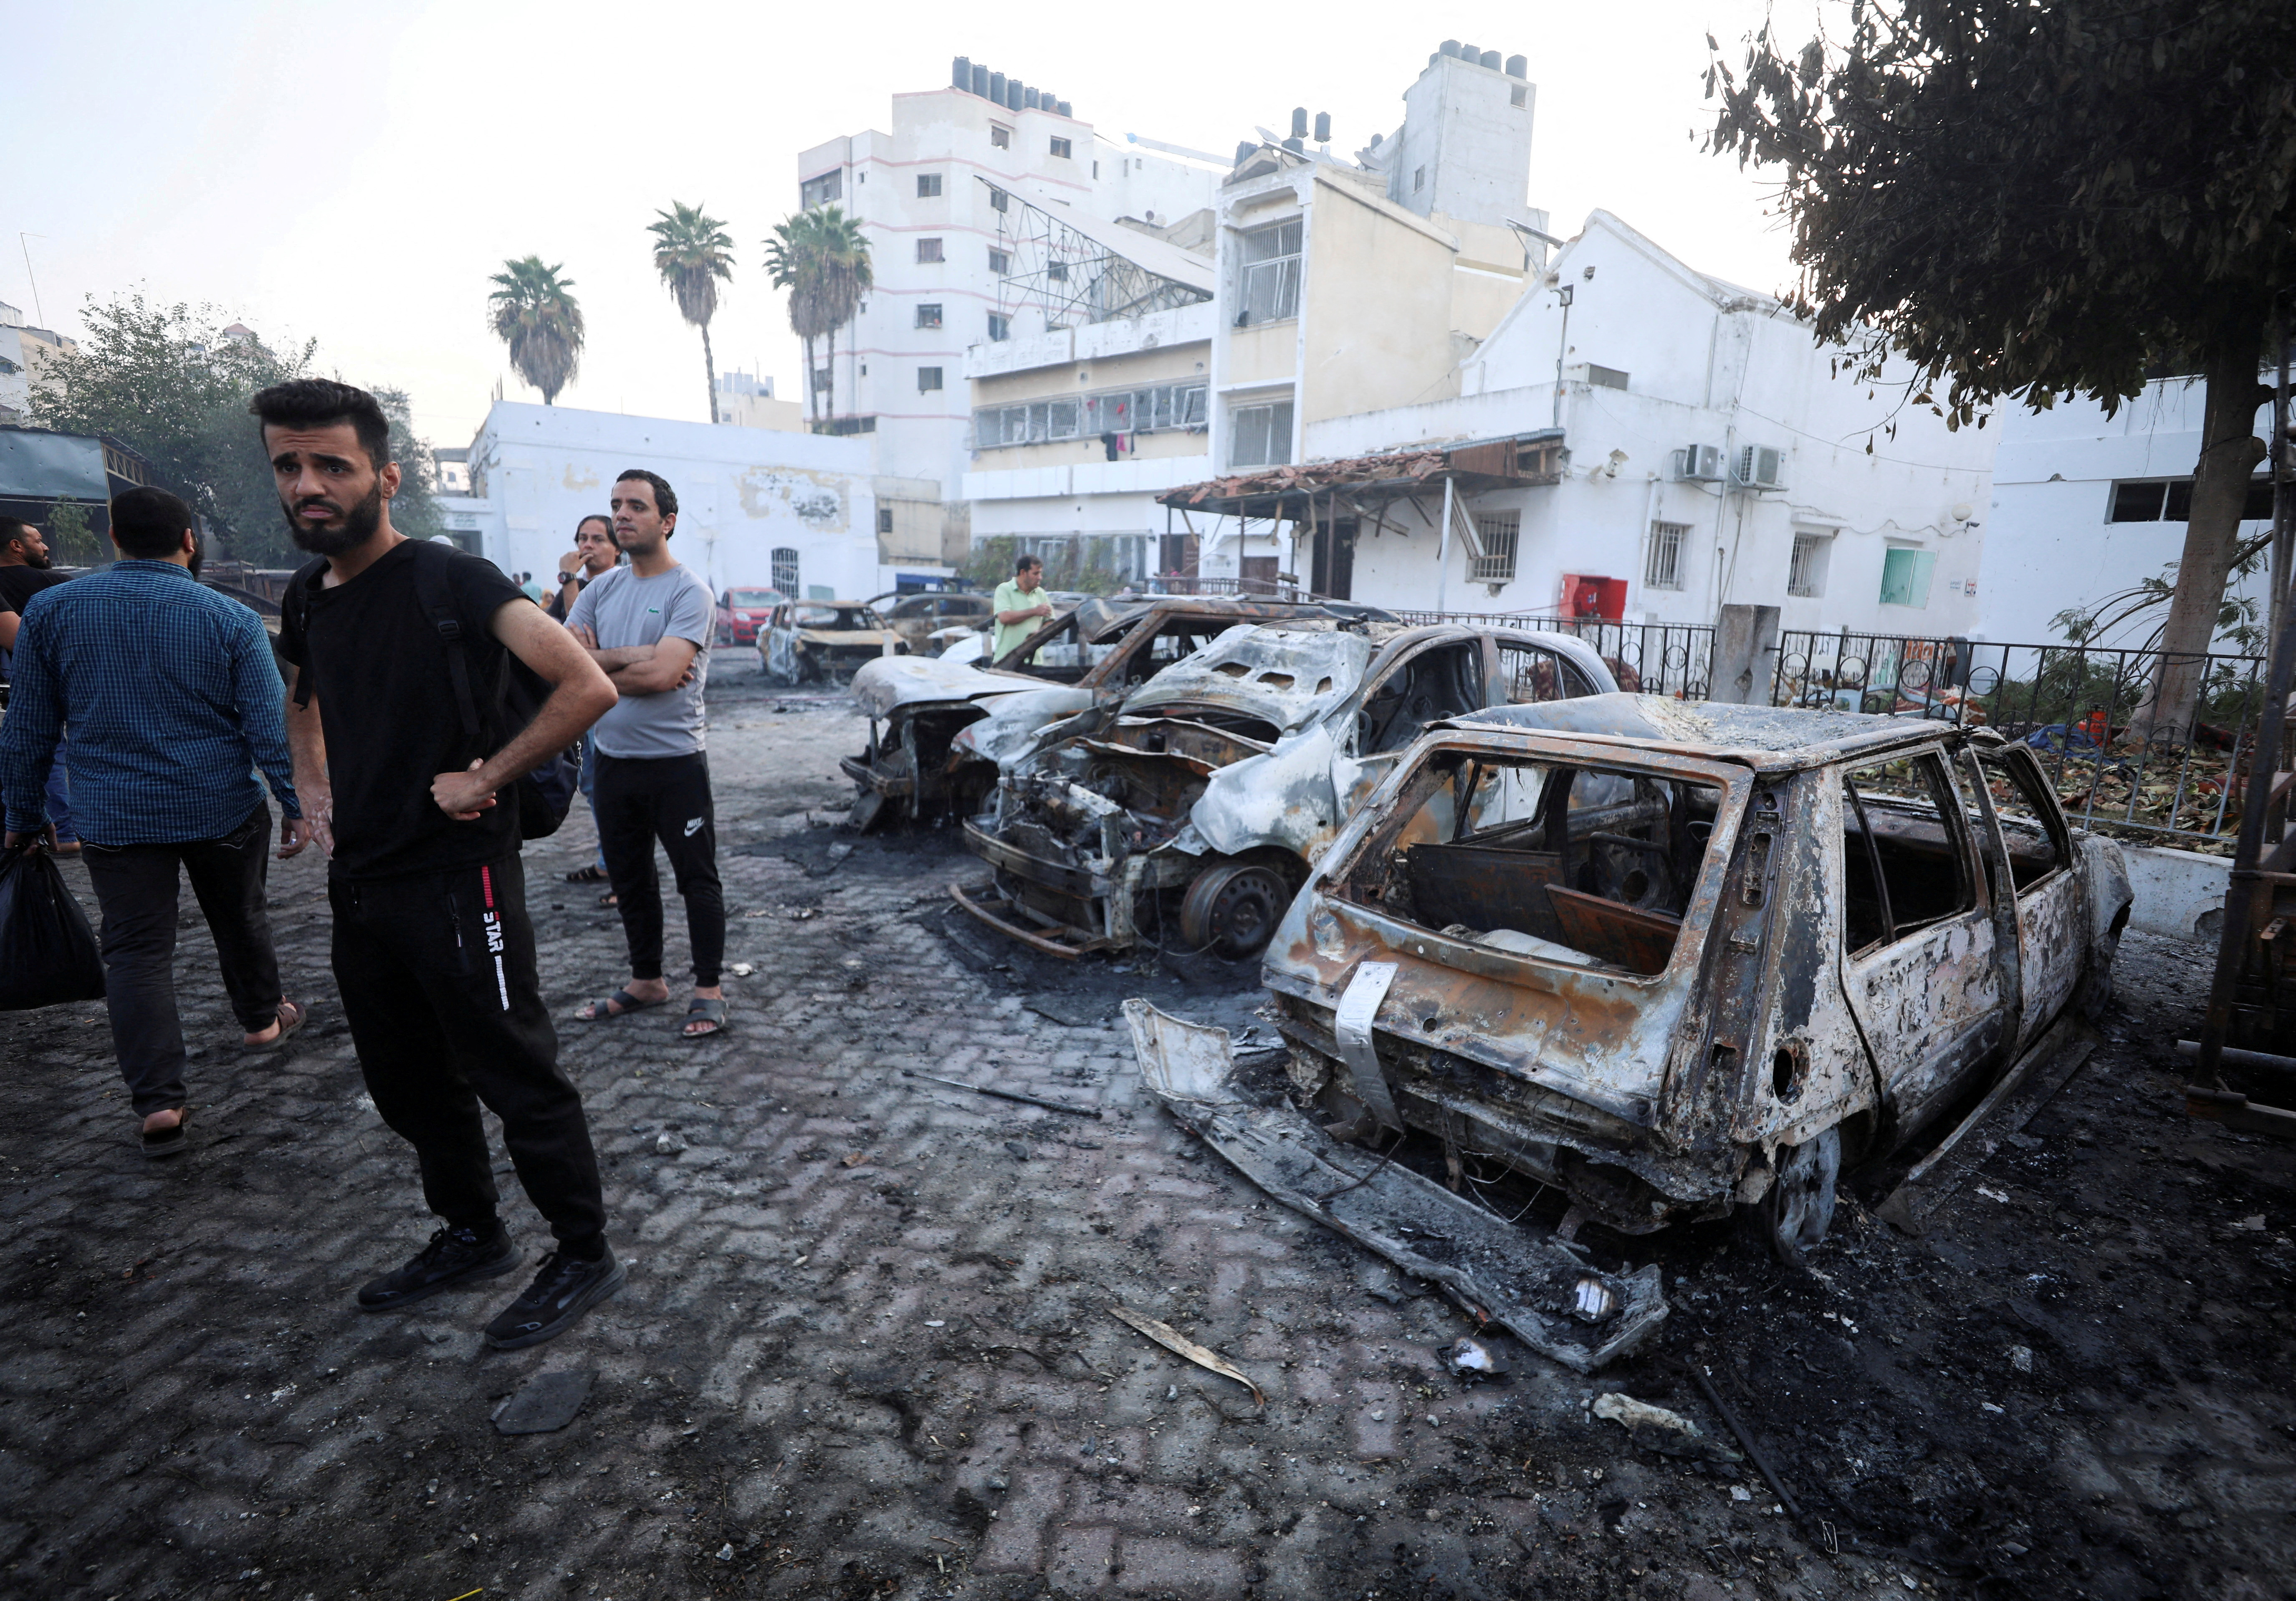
{"points": [[1191, 814], [824, 641], [1674, 958], [917, 617], [741, 612], [1094, 650]]}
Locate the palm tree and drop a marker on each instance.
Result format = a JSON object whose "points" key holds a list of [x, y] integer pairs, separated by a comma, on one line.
{"points": [[691, 251], [536, 316], [821, 257]]}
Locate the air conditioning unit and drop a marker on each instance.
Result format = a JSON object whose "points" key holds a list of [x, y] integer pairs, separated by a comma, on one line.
{"points": [[1761, 467], [1699, 463]]}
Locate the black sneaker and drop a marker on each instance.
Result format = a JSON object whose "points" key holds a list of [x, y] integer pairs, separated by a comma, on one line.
{"points": [[566, 1288], [454, 1256]]}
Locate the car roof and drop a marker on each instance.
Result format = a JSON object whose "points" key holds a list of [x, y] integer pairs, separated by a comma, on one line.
{"points": [[1764, 736]]}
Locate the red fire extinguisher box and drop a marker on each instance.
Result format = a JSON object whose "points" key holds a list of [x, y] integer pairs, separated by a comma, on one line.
{"points": [[1586, 595]]}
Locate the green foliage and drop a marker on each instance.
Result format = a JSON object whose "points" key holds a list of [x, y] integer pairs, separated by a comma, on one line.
{"points": [[820, 256], [533, 311], [692, 252], [72, 539], [2031, 199], [991, 560]]}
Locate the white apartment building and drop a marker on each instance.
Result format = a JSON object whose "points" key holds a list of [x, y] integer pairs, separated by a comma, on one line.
{"points": [[15, 382], [2087, 506], [757, 507], [930, 195], [1669, 441], [746, 400]]}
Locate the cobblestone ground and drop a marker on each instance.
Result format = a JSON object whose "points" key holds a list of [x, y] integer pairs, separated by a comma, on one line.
{"points": [[863, 1349]]}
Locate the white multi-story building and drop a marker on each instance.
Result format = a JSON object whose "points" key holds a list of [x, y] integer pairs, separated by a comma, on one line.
{"points": [[2087, 506], [930, 195], [746, 400]]}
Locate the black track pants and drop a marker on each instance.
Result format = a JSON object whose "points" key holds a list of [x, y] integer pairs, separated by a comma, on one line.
{"points": [[641, 801], [437, 980]]}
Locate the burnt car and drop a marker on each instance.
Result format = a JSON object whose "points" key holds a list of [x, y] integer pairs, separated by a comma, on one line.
{"points": [[741, 612], [824, 641], [939, 728], [1680, 958], [917, 617], [1189, 815]]}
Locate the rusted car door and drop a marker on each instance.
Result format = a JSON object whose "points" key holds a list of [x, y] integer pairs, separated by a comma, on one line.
{"points": [[1922, 958], [2052, 935]]}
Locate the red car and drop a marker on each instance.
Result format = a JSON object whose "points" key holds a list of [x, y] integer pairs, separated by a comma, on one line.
{"points": [[741, 612]]}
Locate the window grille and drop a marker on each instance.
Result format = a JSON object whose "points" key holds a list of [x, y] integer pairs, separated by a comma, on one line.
{"points": [[1000, 262], [1061, 148], [1497, 533], [928, 314], [821, 191], [928, 249], [928, 186], [1260, 436], [1805, 568], [1271, 273], [928, 379], [786, 570], [1168, 405], [884, 519], [1664, 570]]}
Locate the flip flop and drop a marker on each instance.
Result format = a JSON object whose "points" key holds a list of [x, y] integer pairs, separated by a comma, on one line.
{"points": [[623, 999], [168, 1142], [292, 1017], [591, 874], [708, 1011]]}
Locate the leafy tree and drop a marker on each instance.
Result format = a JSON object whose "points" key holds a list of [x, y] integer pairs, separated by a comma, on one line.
{"points": [[694, 254], [533, 311], [2044, 200], [162, 381], [821, 257]]}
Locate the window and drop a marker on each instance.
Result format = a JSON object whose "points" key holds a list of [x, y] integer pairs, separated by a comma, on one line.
{"points": [[2029, 824], [1664, 569], [884, 519], [1000, 326], [928, 379], [929, 314], [821, 378], [1805, 568], [786, 570], [1061, 148], [1260, 436], [1530, 677], [928, 249], [1057, 271], [1088, 416], [821, 191], [1418, 179], [1905, 577], [1497, 534], [998, 200], [928, 186], [1608, 378], [1519, 96], [1271, 274], [999, 138], [1000, 263], [1904, 852], [2170, 500]]}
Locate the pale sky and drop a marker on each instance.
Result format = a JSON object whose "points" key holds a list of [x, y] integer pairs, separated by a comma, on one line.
{"points": [[354, 173]]}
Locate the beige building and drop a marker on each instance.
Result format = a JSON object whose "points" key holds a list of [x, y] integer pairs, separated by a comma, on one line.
{"points": [[746, 400]]}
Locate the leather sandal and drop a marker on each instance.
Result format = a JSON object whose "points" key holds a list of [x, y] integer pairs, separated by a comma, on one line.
{"points": [[292, 1016], [169, 1142], [591, 874], [601, 1010], [703, 1009]]}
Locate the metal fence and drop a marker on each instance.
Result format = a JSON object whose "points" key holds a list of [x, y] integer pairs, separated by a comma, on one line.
{"points": [[2075, 705], [1661, 658]]}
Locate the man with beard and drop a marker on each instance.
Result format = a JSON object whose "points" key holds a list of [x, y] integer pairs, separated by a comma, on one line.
{"points": [[649, 625], [173, 702], [406, 770], [26, 568]]}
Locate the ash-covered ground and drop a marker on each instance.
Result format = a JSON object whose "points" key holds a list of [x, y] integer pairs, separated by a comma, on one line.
{"points": [[865, 1348]]}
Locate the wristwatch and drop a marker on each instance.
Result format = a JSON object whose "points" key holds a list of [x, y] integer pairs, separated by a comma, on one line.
{"points": [[565, 577]]}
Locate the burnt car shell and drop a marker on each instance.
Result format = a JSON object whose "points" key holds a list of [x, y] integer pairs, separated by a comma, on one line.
{"points": [[824, 641], [1779, 1023]]}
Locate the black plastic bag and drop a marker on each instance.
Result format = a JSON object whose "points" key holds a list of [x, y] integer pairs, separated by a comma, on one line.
{"points": [[48, 954]]}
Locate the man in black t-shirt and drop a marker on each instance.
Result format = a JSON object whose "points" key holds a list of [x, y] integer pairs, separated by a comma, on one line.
{"points": [[433, 952]]}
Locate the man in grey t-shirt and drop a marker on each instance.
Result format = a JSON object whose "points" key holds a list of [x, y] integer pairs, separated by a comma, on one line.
{"points": [[649, 626]]}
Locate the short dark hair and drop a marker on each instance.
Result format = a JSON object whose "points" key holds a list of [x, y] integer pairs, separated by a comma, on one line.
{"points": [[595, 517], [665, 498], [12, 529], [149, 524], [1027, 561], [316, 402]]}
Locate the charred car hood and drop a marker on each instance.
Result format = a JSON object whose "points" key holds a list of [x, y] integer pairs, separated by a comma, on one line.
{"points": [[846, 639], [892, 683], [1010, 730], [1285, 677]]}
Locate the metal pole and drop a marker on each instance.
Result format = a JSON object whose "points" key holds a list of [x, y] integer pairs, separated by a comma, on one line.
{"points": [[2264, 762], [1443, 550]]}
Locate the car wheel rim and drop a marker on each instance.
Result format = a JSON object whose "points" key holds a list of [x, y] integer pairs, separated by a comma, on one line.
{"points": [[1231, 911]]}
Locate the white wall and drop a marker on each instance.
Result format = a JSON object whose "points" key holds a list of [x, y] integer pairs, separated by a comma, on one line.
{"points": [[741, 493], [2050, 546], [1706, 363]]}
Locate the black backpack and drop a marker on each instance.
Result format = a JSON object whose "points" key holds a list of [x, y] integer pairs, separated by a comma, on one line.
{"points": [[546, 795]]}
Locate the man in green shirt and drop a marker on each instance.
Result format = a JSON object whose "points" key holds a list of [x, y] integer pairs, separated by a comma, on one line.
{"points": [[1020, 605]]}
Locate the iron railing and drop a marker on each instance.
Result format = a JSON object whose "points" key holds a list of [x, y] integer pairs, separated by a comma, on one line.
{"points": [[1662, 658], [2075, 705]]}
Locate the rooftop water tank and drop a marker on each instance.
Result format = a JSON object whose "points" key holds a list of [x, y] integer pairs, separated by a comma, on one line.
{"points": [[1516, 67]]}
